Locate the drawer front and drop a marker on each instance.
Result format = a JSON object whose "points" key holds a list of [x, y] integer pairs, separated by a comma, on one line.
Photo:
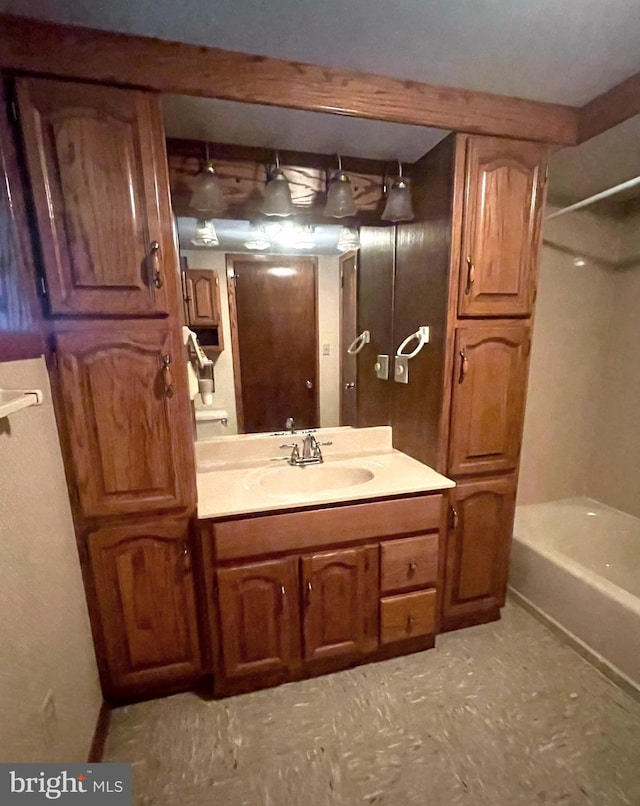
{"points": [[409, 563], [299, 531], [407, 616]]}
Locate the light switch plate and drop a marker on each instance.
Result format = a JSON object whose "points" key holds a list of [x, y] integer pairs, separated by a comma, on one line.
{"points": [[401, 369], [382, 367]]}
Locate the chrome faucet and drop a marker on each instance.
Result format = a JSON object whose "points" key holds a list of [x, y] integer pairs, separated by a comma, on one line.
{"points": [[311, 453]]}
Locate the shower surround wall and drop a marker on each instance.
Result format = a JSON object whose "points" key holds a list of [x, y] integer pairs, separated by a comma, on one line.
{"points": [[582, 427]]}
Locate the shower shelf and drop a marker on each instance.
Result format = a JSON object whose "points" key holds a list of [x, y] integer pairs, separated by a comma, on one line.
{"points": [[12, 400]]}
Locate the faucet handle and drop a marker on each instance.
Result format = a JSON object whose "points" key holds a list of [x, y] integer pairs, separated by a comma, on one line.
{"points": [[289, 445], [290, 425], [328, 442]]}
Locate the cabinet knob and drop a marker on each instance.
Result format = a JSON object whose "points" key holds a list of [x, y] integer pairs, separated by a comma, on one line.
{"points": [[454, 518], [412, 567], [168, 377], [309, 384], [308, 596], [464, 366], [186, 557], [410, 622], [471, 275], [154, 255]]}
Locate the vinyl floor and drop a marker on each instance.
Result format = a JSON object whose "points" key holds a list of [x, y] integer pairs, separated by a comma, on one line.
{"points": [[499, 714]]}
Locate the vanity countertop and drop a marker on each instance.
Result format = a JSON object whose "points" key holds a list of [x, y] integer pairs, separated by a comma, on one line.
{"points": [[241, 477]]}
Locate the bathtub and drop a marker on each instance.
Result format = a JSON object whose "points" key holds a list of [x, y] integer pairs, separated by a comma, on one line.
{"points": [[577, 562]]}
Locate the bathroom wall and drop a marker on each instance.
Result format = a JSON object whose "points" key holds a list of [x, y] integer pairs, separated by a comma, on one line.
{"points": [[614, 476], [582, 424], [328, 334], [46, 642], [568, 357]]}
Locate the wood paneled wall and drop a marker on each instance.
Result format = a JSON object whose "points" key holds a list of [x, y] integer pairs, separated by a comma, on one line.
{"points": [[20, 315]]}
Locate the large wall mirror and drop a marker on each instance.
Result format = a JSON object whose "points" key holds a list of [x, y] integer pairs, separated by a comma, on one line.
{"points": [[295, 291]]}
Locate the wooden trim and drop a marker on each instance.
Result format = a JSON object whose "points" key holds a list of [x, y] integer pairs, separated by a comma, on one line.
{"points": [[172, 67], [96, 751], [607, 110], [235, 342]]}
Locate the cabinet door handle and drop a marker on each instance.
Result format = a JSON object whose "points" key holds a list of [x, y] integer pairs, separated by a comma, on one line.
{"points": [[464, 366], [454, 518], [307, 598], [154, 255], [186, 557], [412, 567], [410, 622], [168, 377], [471, 275]]}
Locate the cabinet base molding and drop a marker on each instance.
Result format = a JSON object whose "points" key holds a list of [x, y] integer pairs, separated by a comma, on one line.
{"points": [[227, 688], [462, 620]]}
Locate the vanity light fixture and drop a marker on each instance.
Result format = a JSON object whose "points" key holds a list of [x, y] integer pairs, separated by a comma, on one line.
{"points": [[208, 195], [277, 193], [340, 202], [348, 239], [398, 206], [257, 240], [205, 234]]}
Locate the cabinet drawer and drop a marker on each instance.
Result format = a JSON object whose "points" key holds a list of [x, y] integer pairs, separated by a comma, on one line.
{"points": [[296, 531], [409, 563], [407, 616]]}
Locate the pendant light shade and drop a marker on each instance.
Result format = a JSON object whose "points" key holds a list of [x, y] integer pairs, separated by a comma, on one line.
{"points": [[340, 202], [277, 193], [398, 206], [205, 234], [348, 239], [208, 196]]}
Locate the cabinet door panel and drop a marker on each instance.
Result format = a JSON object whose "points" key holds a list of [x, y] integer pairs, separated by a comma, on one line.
{"points": [[489, 386], [501, 226], [335, 585], [203, 300], [145, 594], [258, 606], [478, 548], [95, 181], [129, 439]]}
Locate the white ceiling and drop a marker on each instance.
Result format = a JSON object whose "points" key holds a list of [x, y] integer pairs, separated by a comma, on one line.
{"points": [[567, 52]]}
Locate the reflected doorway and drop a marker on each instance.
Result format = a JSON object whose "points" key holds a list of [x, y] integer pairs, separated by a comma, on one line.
{"points": [[273, 311]]}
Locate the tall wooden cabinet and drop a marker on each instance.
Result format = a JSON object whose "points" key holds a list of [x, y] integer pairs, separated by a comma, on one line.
{"points": [[467, 267], [96, 161], [498, 195]]}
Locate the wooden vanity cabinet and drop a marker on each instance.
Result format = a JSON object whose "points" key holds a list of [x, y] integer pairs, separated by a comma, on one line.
{"points": [[350, 583], [146, 609], [259, 606], [96, 160], [340, 602]]}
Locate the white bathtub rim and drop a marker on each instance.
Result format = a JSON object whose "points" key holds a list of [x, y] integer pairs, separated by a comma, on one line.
{"points": [[601, 584], [612, 672]]}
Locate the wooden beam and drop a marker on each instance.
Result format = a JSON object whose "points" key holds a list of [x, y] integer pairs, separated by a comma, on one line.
{"points": [[614, 106], [173, 67]]}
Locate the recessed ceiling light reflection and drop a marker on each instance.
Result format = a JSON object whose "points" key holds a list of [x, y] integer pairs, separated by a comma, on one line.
{"points": [[281, 271]]}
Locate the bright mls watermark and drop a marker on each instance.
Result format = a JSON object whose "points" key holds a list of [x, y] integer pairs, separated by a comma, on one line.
{"points": [[27, 784]]}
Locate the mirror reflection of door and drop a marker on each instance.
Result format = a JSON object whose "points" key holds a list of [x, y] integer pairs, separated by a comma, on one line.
{"points": [[348, 326], [272, 303]]}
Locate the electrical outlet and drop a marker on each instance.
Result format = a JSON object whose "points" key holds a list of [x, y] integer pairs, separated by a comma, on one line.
{"points": [[49, 717], [326, 349]]}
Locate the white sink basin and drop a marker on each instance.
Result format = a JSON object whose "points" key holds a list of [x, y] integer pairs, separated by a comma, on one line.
{"points": [[285, 481]]}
